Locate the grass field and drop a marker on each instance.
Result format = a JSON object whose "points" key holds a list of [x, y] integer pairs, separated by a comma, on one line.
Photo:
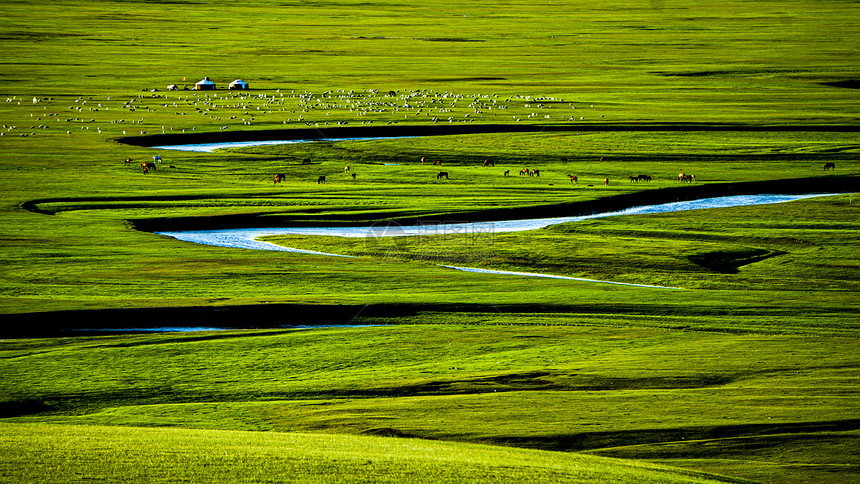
{"points": [[747, 373]]}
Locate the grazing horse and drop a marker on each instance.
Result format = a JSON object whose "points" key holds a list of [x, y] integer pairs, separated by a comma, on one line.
{"points": [[156, 158], [606, 182], [346, 169], [442, 174], [634, 179], [306, 161], [280, 177], [321, 179], [688, 178], [573, 178], [437, 163], [534, 173], [831, 166], [644, 178], [145, 166], [353, 175], [507, 172], [128, 161], [489, 163], [524, 171]]}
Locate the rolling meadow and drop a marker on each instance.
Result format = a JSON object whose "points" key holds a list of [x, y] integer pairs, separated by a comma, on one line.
{"points": [[714, 345]]}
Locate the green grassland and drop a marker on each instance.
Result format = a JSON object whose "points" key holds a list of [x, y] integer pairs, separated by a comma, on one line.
{"points": [[176, 456], [743, 368], [753, 406]]}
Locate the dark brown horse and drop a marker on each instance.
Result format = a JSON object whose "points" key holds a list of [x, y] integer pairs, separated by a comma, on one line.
{"points": [[573, 178], [321, 179], [280, 177], [829, 166], [442, 174]]}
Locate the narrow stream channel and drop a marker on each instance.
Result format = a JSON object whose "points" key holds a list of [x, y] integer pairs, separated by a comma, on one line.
{"points": [[211, 147], [245, 238], [248, 238]]}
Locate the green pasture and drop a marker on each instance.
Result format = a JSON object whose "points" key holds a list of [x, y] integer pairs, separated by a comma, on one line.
{"points": [[175, 455], [742, 367], [777, 408]]}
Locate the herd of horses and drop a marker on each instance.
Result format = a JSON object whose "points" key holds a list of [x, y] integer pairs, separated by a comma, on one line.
{"points": [[146, 166]]}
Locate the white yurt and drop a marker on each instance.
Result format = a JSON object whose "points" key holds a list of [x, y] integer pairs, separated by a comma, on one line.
{"points": [[239, 84], [205, 85]]}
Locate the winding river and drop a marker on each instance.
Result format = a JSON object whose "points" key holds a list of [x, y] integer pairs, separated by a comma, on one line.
{"points": [[211, 147], [249, 238]]}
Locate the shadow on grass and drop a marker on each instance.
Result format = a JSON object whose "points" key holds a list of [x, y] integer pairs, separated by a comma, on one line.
{"points": [[730, 262], [792, 186], [607, 440]]}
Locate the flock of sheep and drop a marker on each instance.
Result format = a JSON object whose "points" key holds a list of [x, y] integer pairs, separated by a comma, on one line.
{"points": [[156, 112]]}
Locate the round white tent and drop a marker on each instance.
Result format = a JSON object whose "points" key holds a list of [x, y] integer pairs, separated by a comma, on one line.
{"points": [[239, 84], [205, 84]]}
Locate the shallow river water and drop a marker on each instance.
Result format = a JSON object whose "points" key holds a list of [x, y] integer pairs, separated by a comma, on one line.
{"points": [[247, 238], [211, 147]]}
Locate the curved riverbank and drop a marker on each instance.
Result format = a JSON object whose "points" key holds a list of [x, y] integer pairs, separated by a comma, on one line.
{"points": [[396, 131], [249, 238], [107, 321], [795, 186]]}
